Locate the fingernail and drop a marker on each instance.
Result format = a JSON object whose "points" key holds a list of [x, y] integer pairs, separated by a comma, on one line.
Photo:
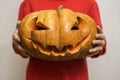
{"points": [[90, 50], [93, 41], [97, 35]]}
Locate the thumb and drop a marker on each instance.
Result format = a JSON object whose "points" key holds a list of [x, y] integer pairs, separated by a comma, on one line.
{"points": [[99, 29], [18, 23]]}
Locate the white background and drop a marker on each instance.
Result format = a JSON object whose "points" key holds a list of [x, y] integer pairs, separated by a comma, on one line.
{"points": [[13, 67]]}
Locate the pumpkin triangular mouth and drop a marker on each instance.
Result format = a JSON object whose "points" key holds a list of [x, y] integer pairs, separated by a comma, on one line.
{"points": [[69, 48]]}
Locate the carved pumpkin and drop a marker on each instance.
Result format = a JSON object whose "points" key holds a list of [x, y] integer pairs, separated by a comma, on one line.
{"points": [[57, 35]]}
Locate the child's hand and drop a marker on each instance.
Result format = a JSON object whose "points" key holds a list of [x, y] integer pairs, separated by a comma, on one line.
{"points": [[17, 45], [98, 43]]}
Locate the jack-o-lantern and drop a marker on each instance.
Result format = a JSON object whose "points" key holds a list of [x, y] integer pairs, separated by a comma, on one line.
{"points": [[57, 35]]}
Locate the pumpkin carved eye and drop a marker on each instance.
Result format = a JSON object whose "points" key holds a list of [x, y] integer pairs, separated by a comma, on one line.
{"points": [[75, 28], [57, 35], [40, 28]]}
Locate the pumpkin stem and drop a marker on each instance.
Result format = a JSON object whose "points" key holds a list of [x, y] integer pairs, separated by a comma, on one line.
{"points": [[60, 7]]}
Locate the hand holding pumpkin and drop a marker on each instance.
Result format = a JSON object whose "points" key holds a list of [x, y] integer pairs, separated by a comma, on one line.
{"points": [[16, 43], [98, 43]]}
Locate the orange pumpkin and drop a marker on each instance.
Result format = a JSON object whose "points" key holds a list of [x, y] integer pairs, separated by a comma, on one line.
{"points": [[57, 35]]}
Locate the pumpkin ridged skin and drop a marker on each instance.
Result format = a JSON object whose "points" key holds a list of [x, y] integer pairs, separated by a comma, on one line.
{"points": [[50, 34]]}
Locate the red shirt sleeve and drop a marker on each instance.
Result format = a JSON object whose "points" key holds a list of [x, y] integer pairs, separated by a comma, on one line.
{"points": [[95, 14], [25, 8], [21, 11]]}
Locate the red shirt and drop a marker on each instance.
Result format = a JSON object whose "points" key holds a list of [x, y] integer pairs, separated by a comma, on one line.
{"points": [[56, 70]]}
